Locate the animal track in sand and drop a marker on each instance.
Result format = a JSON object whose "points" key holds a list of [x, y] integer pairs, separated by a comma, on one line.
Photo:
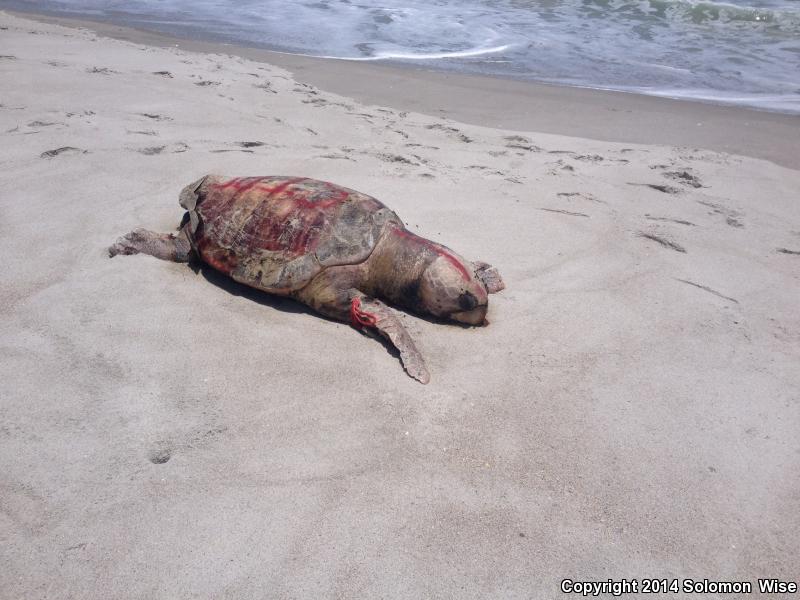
{"points": [[666, 242], [787, 251], [62, 150], [707, 289], [7, 57], [163, 73], [250, 144], [206, 83]]}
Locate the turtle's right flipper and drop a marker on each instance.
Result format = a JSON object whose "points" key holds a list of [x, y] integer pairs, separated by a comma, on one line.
{"points": [[166, 246], [368, 312]]}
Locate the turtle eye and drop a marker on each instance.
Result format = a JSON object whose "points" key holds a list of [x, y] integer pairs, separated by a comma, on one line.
{"points": [[467, 301]]}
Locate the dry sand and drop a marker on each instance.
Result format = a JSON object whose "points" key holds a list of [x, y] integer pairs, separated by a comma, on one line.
{"points": [[631, 411]]}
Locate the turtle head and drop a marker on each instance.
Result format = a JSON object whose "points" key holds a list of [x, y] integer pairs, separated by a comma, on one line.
{"points": [[450, 289]]}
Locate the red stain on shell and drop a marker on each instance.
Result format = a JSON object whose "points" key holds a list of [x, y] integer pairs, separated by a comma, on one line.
{"points": [[275, 214]]}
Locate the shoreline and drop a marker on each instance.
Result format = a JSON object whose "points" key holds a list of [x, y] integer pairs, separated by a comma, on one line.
{"points": [[601, 115]]}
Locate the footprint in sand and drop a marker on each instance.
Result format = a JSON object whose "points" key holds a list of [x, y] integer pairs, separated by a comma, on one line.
{"points": [[171, 148], [787, 251], [664, 189], [83, 113], [142, 132], [559, 166], [685, 177], [708, 289], [336, 157], [396, 158], [662, 240], [160, 454], [163, 74], [34, 124], [581, 195], [266, 86], [451, 130], [669, 220], [731, 216], [151, 150], [155, 117], [564, 212], [101, 70], [413, 145], [62, 150]]}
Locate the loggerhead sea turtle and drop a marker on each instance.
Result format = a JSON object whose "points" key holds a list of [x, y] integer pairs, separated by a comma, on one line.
{"points": [[332, 248]]}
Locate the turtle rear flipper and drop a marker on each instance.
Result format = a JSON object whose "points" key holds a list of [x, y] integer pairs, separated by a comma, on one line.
{"points": [[166, 246]]}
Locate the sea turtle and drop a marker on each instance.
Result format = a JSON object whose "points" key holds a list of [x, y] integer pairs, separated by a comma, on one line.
{"points": [[332, 248]]}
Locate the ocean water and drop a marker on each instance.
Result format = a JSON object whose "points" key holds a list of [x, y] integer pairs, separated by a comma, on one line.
{"points": [[740, 51]]}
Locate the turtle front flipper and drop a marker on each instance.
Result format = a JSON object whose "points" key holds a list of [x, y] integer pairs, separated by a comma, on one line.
{"points": [[368, 312]]}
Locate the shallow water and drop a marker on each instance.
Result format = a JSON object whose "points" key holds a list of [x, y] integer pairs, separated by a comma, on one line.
{"points": [[742, 51]]}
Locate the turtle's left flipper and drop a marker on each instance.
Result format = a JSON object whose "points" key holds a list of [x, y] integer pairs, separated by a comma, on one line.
{"points": [[166, 246], [368, 312]]}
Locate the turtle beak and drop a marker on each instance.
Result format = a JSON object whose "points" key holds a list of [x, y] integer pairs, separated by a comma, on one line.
{"points": [[476, 316]]}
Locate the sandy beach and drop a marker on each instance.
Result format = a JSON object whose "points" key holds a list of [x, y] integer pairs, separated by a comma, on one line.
{"points": [[631, 411]]}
